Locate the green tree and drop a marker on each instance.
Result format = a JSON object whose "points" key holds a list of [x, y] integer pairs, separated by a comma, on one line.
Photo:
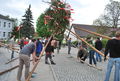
{"points": [[27, 29], [41, 28], [112, 13], [111, 17], [15, 32], [56, 19]]}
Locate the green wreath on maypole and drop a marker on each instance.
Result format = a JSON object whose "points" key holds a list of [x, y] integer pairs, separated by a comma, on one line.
{"points": [[57, 17]]}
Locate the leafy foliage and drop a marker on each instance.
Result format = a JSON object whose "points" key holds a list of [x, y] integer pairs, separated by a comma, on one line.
{"points": [[55, 19], [58, 17], [111, 17], [15, 32], [104, 42], [42, 29]]}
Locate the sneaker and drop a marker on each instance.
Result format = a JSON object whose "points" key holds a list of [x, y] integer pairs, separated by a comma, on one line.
{"points": [[33, 75]]}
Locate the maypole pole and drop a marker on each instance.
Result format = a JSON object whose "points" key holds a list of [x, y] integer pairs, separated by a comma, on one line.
{"points": [[86, 43], [79, 28]]}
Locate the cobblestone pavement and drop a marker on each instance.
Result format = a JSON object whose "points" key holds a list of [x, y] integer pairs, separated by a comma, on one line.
{"points": [[67, 68]]}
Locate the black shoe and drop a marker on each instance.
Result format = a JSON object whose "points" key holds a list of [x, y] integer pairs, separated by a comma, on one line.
{"points": [[82, 62], [53, 63], [46, 63]]}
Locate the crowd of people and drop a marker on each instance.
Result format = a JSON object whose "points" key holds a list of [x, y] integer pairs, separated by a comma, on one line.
{"points": [[35, 47], [85, 51], [112, 49]]}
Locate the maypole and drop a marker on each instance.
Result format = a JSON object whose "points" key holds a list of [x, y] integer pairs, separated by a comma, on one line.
{"points": [[56, 18]]}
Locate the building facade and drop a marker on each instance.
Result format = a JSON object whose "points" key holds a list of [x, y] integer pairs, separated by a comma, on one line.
{"points": [[6, 26]]}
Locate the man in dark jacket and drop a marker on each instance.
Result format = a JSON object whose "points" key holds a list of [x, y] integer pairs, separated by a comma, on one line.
{"points": [[98, 46], [113, 48]]}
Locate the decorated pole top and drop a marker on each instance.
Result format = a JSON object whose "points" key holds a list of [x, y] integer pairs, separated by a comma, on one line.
{"points": [[57, 16]]}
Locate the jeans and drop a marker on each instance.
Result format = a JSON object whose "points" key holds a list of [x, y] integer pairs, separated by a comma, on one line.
{"points": [[91, 57], [48, 56], [98, 57], [12, 54], [111, 62], [69, 49]]}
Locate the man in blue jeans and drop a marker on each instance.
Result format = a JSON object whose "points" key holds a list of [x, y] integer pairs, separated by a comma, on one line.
{"points": [[113, 48], [98, 46], [91, 52], [69, 45]]}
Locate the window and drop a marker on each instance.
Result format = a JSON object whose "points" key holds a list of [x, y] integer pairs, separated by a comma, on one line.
{"points": [[9, 25], [9, 33], [4, 24], [3, 34]]}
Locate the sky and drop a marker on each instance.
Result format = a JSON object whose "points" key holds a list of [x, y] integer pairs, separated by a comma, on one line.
{"points": [[85, 11]]}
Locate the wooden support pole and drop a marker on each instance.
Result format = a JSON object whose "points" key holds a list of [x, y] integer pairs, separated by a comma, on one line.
{"points": [[11, 60], [91, 65], [9, 46], [9, 69], [87, 43], [88, 63], [41, 54], [93, 32]]}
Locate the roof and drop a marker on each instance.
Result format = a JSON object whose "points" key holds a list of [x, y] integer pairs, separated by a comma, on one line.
{"points": [[5, 17], [92, 28]]}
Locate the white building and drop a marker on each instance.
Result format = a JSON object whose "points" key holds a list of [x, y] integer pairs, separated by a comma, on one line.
{"points": [[70, 35], [6, 26]]}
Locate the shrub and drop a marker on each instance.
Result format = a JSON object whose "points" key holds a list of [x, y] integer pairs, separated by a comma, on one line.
{"points": [[104, 42]]}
